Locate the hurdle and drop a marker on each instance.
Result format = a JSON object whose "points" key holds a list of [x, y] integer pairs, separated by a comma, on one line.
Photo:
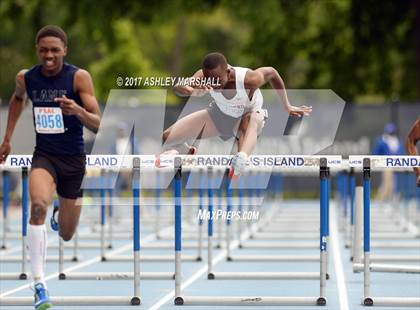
{"points": [[127, 162], [320, 300], [6, 190], [367, 164]]}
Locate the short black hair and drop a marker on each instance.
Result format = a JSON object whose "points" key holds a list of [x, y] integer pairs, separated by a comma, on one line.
{"points": [[51, 31], [213, 60]]}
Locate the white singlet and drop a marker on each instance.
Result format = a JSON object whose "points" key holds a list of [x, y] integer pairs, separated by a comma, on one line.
{"points": [[240, 103]]}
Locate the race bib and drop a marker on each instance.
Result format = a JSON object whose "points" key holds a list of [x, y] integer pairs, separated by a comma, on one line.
{"points": [[48, 120]]}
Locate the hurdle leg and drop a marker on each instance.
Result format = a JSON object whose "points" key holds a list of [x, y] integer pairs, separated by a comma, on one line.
{"points": [[157, 211], [61, 274], [103, 219], [157, 205], [178, 232], [210, 274], [356, 255], [111, 221], [219, 222], [6, 192], [240, 210], [76, 246], [367, 300], [323, 230], [352, 184], [228, 218], [25, 203], [200, 220], [252, 192], [135, 300], [327, 223], [200, 224]]}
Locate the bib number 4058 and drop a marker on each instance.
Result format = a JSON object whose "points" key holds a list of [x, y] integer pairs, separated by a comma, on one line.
{"points": [[48, 120]]}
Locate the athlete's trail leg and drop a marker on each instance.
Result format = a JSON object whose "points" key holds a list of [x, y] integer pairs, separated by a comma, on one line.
{"points": [[189, 127]]}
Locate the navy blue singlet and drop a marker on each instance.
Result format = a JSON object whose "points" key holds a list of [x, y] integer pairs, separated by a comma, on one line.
{"points": [[42, 91]]}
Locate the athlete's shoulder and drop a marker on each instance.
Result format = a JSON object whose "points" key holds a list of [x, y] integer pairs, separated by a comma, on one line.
{"points": [[82, 80], [20, 76], [82, 75], [252, 78], [20, 88]]}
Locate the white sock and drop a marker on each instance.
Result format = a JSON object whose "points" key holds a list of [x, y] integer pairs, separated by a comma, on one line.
{"points": [[243, 155], [37, 246]]}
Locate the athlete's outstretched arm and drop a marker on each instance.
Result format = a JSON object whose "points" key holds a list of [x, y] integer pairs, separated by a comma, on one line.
{"points": [[16, 106], [411, 141], [261, 76], [89, 114], [188, 90]]}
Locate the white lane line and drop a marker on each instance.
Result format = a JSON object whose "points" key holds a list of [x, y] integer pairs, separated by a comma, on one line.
{"points": [[92, 261], [338, 266]]}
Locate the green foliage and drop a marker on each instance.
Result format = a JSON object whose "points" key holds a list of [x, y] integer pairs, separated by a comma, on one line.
{"points": [[361, 50], [123, 59]]}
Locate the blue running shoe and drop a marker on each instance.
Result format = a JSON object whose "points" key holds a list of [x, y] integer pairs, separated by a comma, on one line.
{"points": [[54, 219], [42, 298]]}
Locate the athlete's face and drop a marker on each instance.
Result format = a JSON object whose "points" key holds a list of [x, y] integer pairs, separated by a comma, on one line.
{"points": [[219, 74], [51, 51]]}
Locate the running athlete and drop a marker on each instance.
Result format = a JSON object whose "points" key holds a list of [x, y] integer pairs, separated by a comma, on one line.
{"points": [[63, 102], [236, 109], [412, 139]]}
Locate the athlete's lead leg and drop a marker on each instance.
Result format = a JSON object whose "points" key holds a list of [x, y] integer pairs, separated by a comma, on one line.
{"points": [[41, 189], [251, 124]]}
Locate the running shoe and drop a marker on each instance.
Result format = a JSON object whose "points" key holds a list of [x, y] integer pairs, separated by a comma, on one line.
{"points": [[54, 217], [172, 152], [192, 150], [238, 165], [42, 298]]}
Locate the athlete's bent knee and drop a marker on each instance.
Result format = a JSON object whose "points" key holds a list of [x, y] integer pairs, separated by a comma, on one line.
{"points": [[66, 235], [38, 211]]}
